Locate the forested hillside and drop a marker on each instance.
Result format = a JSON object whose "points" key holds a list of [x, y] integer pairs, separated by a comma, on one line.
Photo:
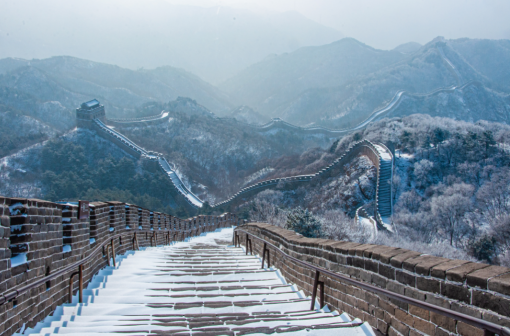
{"points": [[450, 189], [217, 157]]}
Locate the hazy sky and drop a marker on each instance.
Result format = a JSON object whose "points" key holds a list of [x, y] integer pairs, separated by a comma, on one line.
{"points": [[217, 38], [386, 24]]}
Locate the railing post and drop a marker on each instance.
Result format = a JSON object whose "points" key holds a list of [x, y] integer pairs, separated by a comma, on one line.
{"points": [[71, 287], [321, 297], [108, 254], [265, 249], [80, 283], [268, 259], [263, 255], [113, 253], [314, 290]]}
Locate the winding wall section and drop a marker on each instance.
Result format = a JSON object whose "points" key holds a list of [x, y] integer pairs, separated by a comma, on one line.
{"points": [[379, 154], [143, 121]]}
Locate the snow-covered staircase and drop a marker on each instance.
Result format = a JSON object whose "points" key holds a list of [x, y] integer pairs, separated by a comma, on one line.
{"points": [[384, 193], [200, 287]]}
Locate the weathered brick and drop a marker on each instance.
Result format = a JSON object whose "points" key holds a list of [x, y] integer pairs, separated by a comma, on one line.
{"points": [[400, 327], [429, 285], [492, 302], [425, 264], [406, 278], [396, 287], [387, 271], [480, 278], [439, 271], [459, 273], [385, 256], [500, 284], [420, 312], [457, 292], [398, 259], [443, 321], [404, 317], [424, 326], [468, 330]]}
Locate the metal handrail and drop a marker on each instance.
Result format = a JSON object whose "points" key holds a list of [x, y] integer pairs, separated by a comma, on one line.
{"points": [[488, 327], [4, 298]]}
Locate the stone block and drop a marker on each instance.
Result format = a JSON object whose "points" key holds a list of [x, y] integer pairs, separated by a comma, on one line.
{"points": [[459, 273], [481, 277], [424, 326], [457, 292], [415, 294], [400, 326], [387, 271], [490, 301], [375, 252], [399, 259], [420, 312], [406, 278], [439, 271], [429, 285], [379, 280], [468, 330], [443, 321], [396, 287]]}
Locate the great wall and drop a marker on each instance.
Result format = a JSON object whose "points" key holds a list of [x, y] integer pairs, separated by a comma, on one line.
{"points": [[379, 154], [112, 267], [115, 268], [91, 115]]}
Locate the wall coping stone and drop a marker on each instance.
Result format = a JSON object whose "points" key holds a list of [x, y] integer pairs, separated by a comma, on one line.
{"points": [[469, 287]]}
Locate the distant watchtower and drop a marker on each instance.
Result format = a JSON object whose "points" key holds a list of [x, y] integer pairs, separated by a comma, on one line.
{"points": [[89, 111]]}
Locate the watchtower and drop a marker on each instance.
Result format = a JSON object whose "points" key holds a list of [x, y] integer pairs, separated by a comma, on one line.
{"points": [[87, 112]]}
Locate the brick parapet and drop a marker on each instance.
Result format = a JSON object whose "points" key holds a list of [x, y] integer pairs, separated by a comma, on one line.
{"points": [[40, 230], [474, 289]]}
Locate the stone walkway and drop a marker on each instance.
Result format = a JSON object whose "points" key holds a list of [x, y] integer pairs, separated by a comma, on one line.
{"points": [[200, 287]]}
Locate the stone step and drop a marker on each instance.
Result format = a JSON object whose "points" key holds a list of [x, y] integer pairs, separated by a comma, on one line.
{"points": [[189, 291], [193, 288], [200, 321]]}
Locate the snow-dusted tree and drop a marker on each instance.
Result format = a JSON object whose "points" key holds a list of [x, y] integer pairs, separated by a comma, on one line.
{"points": [[422, 172], [304, 222], [449, 212]]}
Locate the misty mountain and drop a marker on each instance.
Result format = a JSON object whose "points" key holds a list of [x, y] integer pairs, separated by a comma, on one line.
{"points": [[214, 42], [246, 114], [272, 84], [339, 85], [71, 81], [408, 48], [491, 58]]}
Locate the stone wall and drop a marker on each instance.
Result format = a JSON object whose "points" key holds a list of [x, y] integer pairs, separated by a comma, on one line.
{"points": [[363, 147], [475, 289], [38, 238]]}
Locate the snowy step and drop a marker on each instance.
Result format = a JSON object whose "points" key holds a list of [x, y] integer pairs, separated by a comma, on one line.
{"points": [[195, 287]]}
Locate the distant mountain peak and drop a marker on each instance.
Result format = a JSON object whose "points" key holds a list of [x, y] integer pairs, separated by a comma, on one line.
{"points": [[408, 48]]}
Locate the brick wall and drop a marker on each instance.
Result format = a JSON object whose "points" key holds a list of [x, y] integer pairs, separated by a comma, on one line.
{"points": [[475, 289], [42, 237]]}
